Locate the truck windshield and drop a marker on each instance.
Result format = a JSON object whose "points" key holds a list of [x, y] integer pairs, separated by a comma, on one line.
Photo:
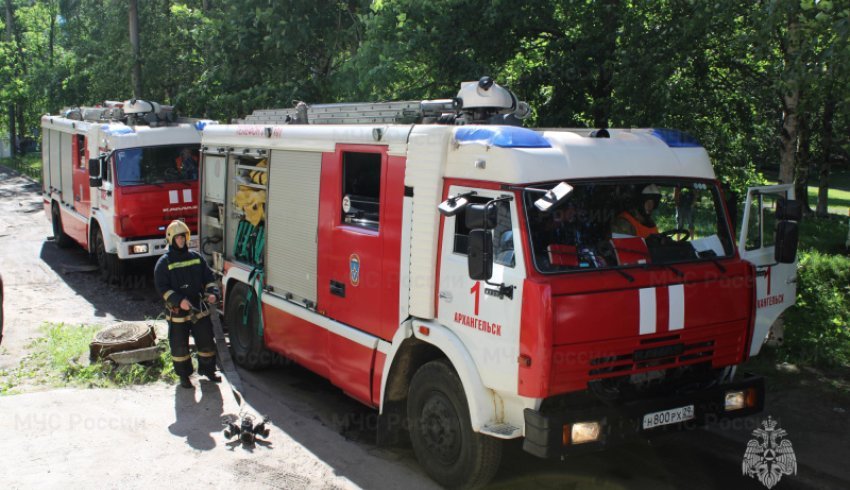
{"points": [[628, 224], [157, 164]]}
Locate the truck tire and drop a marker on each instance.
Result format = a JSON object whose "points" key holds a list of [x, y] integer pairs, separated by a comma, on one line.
{"points": [[59, 237], [441, 433], [246, 344], [111, 267]]}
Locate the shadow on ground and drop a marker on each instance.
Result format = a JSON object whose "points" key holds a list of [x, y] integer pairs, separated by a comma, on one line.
{"points": [[132, 298]]}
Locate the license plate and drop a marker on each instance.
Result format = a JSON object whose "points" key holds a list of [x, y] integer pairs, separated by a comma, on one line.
{"points": [[666, 417]]}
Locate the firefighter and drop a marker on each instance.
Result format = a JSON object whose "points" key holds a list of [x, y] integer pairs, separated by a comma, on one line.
{"points": [[187, 165], [185, 280], [638, 221]]}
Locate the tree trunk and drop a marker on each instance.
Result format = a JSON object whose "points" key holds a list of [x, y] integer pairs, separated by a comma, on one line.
{"points": [[135, 46], [790, 102], [801, 183], [826, 160], [10, 23]]}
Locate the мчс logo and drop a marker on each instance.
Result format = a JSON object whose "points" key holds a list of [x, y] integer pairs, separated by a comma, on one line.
{"points": [[769, 455]]}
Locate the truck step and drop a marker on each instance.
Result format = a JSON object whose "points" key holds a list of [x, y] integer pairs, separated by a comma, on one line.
{"points": [[501, 431]]}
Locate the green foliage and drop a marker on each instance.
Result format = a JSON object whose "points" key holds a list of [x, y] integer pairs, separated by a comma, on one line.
{"points": [[817, 328], [61, 358], [824, 235]]}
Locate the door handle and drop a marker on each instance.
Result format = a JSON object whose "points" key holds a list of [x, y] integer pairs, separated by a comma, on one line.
{"points": [[337, 288]]}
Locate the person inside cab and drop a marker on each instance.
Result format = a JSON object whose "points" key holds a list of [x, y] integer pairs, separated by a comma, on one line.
{"points": [[638, 220], [187, 164]]}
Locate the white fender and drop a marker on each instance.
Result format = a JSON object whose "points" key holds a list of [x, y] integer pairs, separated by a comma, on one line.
{"points": [[480, 399], [237, 274], [105, 223]]}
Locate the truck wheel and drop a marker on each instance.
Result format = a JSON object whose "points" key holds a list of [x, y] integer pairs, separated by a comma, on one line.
{"points": [[441, 433], [111, 267], [246, 344], [62, 240]]}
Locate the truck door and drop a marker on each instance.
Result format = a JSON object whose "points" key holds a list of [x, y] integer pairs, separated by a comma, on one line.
{"points": [[352, 223], [776, 284], [81, 174], [486, 322]]}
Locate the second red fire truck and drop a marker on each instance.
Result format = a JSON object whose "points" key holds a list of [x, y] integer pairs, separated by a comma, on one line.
{"points": [[476, 281], [115, 175]]}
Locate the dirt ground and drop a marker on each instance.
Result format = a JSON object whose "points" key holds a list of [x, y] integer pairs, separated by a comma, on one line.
{"points": [[157, 435]]}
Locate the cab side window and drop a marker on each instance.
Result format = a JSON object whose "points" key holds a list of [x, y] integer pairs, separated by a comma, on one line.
{"points": [[361, 189], [503, 241]]}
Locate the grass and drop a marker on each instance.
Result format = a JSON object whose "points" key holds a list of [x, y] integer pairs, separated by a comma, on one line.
{"points": [[61, 358], [838, 198], [28, 164]]}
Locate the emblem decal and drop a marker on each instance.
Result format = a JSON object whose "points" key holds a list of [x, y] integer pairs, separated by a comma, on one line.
{"points": [[354, 269], [770, 455]]}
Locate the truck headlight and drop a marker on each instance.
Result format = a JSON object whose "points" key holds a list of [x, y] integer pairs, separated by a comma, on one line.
{"points": [[740, 399], [582, 432], [139, 249]]}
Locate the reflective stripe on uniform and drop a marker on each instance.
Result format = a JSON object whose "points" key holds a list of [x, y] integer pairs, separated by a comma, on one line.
{"points": [[167, 294], [210, 285], [181, 358], [185, 263], [184, 319], [206, 354]]}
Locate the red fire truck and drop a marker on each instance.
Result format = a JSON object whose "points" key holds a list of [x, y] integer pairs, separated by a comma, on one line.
{"points": [[115, 175], [476, 281]]}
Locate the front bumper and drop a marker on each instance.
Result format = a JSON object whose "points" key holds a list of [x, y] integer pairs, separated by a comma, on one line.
{"points": [[544, 431], [155, 247]]}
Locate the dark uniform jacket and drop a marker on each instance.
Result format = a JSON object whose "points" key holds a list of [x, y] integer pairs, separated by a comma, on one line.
{"points": [[183, 274]]}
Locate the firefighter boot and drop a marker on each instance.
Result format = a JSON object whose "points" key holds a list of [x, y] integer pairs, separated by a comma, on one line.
{"points": [[185, 382]]}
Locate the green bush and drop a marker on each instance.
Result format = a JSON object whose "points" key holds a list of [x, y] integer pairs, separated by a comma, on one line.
{"points": [[817, 328]]}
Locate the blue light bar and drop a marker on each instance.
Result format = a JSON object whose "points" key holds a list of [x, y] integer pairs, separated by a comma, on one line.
{"points": [[116, 131], [501, 136], [675, 138]]}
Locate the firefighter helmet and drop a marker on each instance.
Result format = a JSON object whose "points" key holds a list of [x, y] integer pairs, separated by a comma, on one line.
{"points": [[176, 227], [652, 193]]}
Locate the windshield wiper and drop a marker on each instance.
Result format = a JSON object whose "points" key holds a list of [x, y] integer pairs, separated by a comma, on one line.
{"points": [[668, 266], [624, 274], [719, 265], [675, 270]]}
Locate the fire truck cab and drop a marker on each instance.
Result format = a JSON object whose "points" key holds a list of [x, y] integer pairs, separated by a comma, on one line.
{"points": [[115, 175], [482, 281]]}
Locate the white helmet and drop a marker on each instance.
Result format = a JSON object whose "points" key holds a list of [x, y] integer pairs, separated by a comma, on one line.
{"points": [[651, 189], [176, 227]]}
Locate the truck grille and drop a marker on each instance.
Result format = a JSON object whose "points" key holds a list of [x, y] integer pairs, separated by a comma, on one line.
{"points": [[575, 365]]}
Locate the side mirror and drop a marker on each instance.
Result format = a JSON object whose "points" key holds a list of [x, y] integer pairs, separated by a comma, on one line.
{"points": [[481, 216], [95, 179], [455, 204], [787, 209], [787, 234], [480, 258]]}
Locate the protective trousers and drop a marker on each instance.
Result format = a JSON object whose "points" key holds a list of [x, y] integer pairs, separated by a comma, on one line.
{"points": [[178, 340]]}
